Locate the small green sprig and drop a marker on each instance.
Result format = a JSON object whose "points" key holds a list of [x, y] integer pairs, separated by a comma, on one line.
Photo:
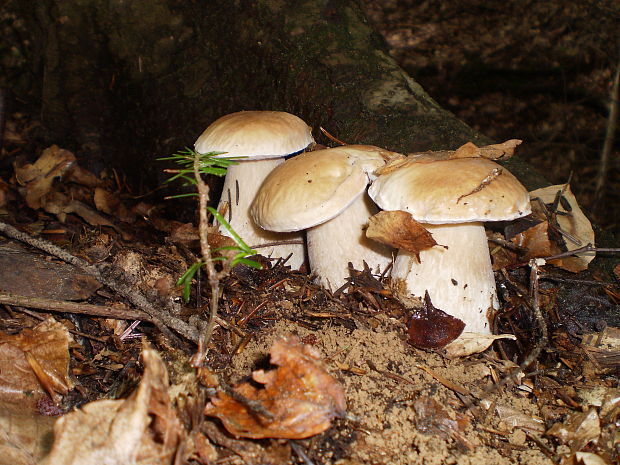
{"points": [[209, 164]]}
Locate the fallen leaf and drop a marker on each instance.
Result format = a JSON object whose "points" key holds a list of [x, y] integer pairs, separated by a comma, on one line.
{"points": [[572, 221], [473, 343], [142, 429], [38, 177], [536, 242], [431, 328], [588, 458], [398, 229], [300, 395], [514, 418], [577, 430], [432, 418], [32, 363], [502, 151]]}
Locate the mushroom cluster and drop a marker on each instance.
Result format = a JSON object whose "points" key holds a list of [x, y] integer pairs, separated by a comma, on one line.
{"points": [[324, 192]]}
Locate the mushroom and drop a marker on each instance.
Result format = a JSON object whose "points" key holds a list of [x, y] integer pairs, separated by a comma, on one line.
{"points": [[262, 139], [451, 198], [324, 192]]}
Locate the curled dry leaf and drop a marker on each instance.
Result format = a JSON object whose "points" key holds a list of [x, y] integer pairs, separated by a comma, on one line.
{"points": [[572, 221], [473, 343], [502, 151], [578, 430], [300, 394], [398, 229], [33, 362], [38, 177], [514, 418], [431, 328], [142, 429]]}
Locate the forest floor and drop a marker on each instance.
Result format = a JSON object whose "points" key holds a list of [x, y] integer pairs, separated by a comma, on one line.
{"points": [[524, 70]]}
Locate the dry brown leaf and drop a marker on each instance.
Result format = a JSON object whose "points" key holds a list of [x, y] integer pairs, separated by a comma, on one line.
{"points": [[514, 418], [106, 201], [24, 437], [300, 394], [502, 151], [431, 328], [577, 430], [536, 241], [38, 178], [588, 458], [432, 418], [398, 229], [142, 429], [473, 343], [573, 222], [32, 363]]}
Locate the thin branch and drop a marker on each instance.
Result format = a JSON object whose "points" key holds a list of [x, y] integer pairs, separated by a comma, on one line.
{"points": [[72, 307], [212, 276]]}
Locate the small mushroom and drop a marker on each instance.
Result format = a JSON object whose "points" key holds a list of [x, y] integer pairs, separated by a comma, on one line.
{"points": [[324, 192], [262, 139], [452, 198]]}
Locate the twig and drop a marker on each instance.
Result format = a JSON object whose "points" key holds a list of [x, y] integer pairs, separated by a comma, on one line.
{"points": [[72, 307], [213, 277], [570, 253], [330, 137], [254, 406], [612, 123], [300, 452]]}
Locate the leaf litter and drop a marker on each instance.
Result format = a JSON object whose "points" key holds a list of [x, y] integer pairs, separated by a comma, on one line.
{"points": [[352, 346]]}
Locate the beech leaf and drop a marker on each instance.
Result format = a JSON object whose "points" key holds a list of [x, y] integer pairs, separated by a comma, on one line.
{"points": [[301, 396], [398, 229]]}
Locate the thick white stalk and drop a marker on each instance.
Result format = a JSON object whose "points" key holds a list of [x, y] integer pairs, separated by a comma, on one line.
{"points": [[335, 243], [240, 187], [459, 279]]}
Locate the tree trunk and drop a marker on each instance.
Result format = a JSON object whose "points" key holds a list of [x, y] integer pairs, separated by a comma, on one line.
{"points": [[153, 74]]}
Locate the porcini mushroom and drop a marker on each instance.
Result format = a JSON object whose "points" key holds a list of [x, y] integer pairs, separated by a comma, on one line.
{"points": [[262, 139], [452, 198], [324, 192]]}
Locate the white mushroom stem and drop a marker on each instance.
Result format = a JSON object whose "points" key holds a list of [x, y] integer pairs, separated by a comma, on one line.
{"points": [[240, 187], [335, 243], [459, 279]]}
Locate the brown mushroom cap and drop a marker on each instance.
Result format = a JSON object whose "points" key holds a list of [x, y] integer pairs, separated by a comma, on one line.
{"points": [[255, 134], [452, 191], [314, 187]]}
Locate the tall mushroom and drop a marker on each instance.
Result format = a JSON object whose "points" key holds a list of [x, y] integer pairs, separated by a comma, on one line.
{"points": [[324, 192], [262, 139], [452, 198]]}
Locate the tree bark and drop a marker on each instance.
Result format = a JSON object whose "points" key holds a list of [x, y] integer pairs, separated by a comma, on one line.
{"points": [[153, 74]]}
